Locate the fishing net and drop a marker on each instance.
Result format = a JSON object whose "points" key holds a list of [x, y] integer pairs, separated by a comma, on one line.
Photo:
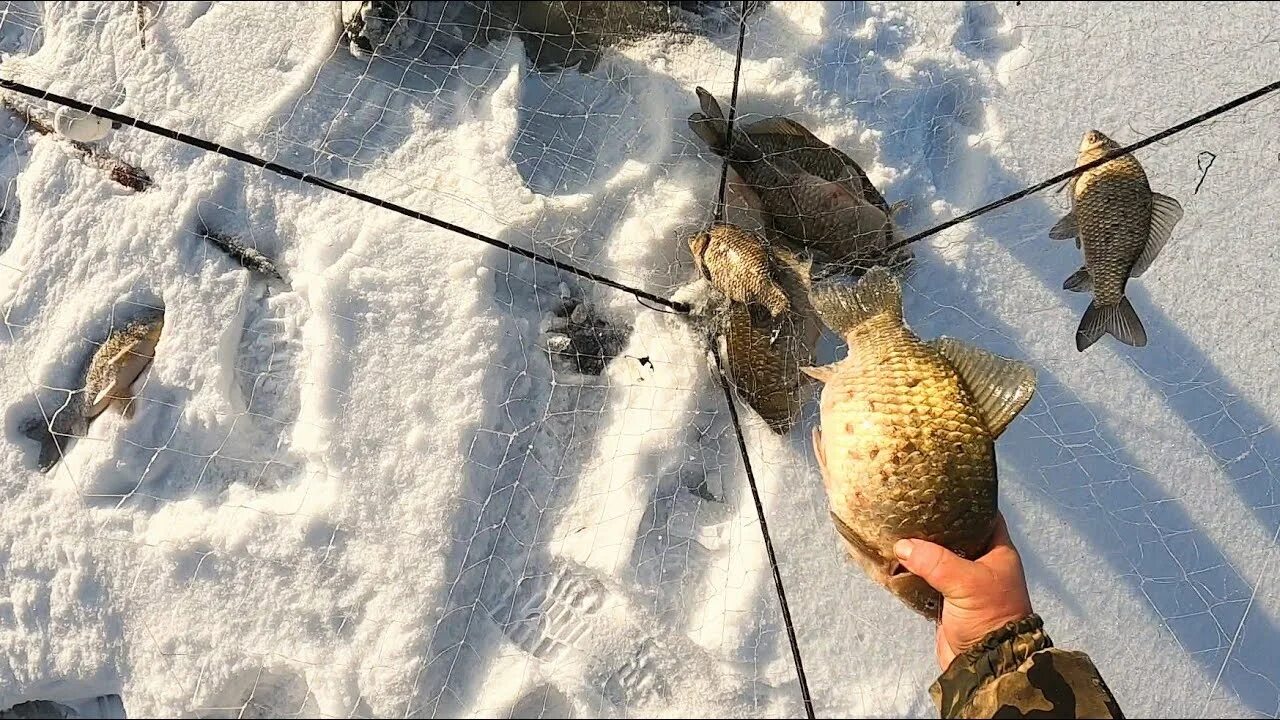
{"points": [[436, 424]]}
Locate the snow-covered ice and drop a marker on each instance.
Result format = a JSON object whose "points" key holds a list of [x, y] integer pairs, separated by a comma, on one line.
{"points": [[385, 486]]}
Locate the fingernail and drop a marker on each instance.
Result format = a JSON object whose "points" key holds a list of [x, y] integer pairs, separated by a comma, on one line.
{"points": [[902, 549]]}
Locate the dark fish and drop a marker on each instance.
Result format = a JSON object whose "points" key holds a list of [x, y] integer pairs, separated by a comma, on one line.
{"points": [[249, 258], [1122, 225], [818, 208]]}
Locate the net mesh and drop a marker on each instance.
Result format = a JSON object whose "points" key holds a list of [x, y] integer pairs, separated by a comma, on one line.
{"points": [[380, 468]]}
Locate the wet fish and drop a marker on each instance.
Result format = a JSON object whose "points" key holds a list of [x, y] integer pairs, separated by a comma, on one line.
{"points": [[763, 359], [120, 360], [738, 263], [1121, 225], [783, 137], [806, 210], [906, 439]]}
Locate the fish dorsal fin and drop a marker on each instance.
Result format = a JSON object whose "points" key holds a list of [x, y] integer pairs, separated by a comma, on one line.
{"points": [[1165, 213], [780, 126], [1066, 228], [1000, 387], [707, 101]]}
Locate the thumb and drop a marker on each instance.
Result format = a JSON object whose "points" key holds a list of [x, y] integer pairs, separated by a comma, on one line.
{"points": [[945, 571]]}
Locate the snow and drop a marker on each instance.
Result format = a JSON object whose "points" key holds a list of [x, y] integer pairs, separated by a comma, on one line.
{"points": [[366, 491]]}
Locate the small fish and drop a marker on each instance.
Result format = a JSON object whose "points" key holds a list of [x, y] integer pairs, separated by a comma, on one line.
{"points": [[804, 209], [906, 437], [763, 360], [108, 379], [120, 360], [738, 263], [249, 258], [1121, 225]]}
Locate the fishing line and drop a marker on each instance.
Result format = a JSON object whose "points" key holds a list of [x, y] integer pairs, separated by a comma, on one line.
{"points": [[733, 410], [768, 540], [1060, 177], [733, 111], [333, 187]]}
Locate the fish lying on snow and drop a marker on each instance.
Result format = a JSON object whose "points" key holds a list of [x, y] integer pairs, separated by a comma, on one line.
{"points": [[738, 263], [762, 354], [815, 197], [1122, 225], [119, 362], [906, 437], [109, 377]]}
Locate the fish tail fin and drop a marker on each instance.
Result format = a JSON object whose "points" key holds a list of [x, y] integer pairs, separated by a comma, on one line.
{"points": [[843, 305], [710, 125], [1119, 320]]}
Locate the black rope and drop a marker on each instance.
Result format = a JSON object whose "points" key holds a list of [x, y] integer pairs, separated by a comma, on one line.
{"points": [[733, 110], [329, 185], [1167, 132], [768, 541], [733, 410]]}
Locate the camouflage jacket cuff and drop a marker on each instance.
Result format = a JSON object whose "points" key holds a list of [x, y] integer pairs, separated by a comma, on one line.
{"points": [[1003, 650]]}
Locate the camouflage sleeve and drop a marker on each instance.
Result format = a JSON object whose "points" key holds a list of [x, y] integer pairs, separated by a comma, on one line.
{"points": [[1015, 672]]}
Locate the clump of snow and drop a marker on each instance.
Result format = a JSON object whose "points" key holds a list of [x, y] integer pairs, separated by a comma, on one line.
{"points": [[381, 489]]}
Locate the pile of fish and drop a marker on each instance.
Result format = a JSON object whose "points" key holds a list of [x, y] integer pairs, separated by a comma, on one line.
{"points": [[822, 216], [905, 440]]}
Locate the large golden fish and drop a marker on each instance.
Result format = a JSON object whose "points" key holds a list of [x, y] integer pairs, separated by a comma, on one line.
{"points": [[906, 442]]}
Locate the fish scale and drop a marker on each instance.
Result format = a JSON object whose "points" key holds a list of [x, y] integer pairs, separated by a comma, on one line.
{"points": [[911, 413], [906, 438], [1121, 225], [1113, 210]]}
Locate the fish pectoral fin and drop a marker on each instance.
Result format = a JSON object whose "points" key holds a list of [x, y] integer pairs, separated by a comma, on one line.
{"points": [[780, 126], [103, 399], [1066, 228], [999, 386], [860, 545], [1165, 213], [822, 373], [819, 452], [1080, 281]]}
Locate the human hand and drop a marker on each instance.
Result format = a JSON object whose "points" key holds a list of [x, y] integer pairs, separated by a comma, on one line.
{"points": [[978, 596]]}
